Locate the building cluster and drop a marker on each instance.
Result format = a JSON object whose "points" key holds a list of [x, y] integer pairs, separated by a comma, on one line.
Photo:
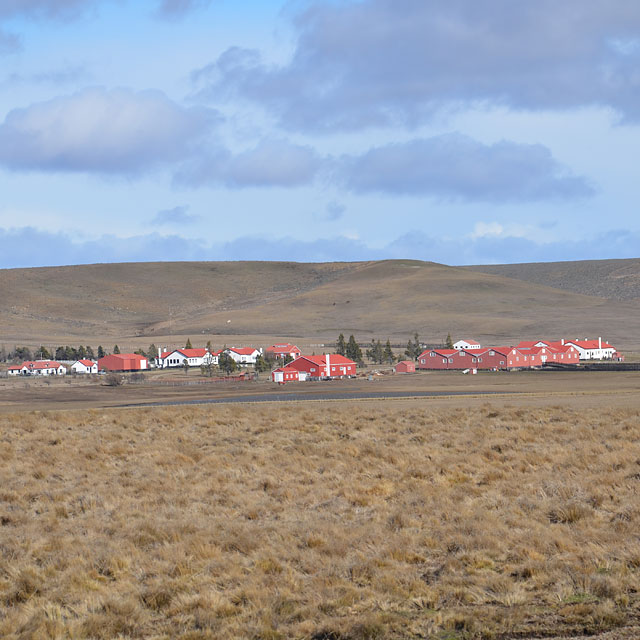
{"points": [[469, 354], [464, 355]]}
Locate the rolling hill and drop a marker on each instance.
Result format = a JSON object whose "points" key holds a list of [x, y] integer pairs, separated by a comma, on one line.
{"points": [[144, 302]]}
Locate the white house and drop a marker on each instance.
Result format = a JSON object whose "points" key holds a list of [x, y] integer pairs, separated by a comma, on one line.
{"points": [[592, 349], [465, 345], [177, 358], [38, 368], [243, 355], [84, 366]]}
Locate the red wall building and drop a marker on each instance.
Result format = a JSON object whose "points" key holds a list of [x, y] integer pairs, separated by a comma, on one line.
{"points": [[405, 366], [325, 366], [123, 362]]}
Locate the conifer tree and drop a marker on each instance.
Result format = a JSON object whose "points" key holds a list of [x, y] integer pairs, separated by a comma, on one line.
{"points": [[388, 353], [100, 351], [188, 345], [449, 342], [341, 347], [116, 349]]}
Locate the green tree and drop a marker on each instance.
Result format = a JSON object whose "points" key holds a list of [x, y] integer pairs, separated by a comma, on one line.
{"points": [[375, 352], [82, 353], [188, 345], [413, 349], [100, 351], [209, 346], [44, 353], [116, 349], [353, 351], [449, 343], [152, 351], [341, 346], [262, 364], [90, 353], [226, 363], [388, 353], [186, 365], [287, 359]]}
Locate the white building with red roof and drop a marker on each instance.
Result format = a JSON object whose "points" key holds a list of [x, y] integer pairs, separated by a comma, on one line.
{"points": [[38, 368], [177, 358], [243, 355], [592, 349], [84, 366]]}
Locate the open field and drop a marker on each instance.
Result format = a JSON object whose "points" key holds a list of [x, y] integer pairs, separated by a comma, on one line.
{"points": [[229, 302], [578, 388], [412, 519]]}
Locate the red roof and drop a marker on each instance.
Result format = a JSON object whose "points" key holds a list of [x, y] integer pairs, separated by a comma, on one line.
{"points": [[41, 364], [590, 344], [283, 348], [334, 358], [442, 352], [285, 370], [87, 363], [243, 351]]}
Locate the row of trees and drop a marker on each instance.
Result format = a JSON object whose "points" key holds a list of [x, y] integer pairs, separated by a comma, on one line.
{"points": [[378, 354]]}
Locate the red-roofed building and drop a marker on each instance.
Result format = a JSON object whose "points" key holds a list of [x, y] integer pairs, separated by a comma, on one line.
{"points": [[123, 362], [281, 351], [282, 375], [592, 349], [38, 368], [243, 355], [329, 365], [177, 358], [439, 359], [84, 366], [405, 366]]}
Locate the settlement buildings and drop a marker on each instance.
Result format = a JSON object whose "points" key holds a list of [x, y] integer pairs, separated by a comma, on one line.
{"points": [[123, 362], [38, 368]]}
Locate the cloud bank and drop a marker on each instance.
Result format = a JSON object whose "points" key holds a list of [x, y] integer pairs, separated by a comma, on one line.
{"points": [[115, 131], [385, 62]]}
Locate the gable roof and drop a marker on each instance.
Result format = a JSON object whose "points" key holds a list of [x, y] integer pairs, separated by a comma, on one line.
{"points": [[86, 363], [321, 360], [242, 351], [41, 364], [590, 344], [445, 353], [285, 348]]}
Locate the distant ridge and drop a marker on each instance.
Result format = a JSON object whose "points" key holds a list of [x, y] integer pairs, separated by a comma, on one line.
{"points": [[155, 302], [612, 279]]}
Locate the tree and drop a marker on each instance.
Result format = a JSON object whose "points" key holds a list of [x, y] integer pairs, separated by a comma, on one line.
{"points": [[262, 364], [152, 351], [100, 351], [341, 347], [449, 342], [209, 346], [388, 353], [375, 353], [44, 353], [90, 353], [353, 351], [188, 345], [287, 359], [186, 365], [70, 353], [226, 363], [413, 348], [82, 353], [116, 349]]}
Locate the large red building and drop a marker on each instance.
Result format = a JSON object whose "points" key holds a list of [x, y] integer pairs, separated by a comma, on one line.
{"points": [[123, 362], [329, 365]]}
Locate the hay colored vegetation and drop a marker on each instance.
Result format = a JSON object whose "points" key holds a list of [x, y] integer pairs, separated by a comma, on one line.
{"points": [[336, 522]]}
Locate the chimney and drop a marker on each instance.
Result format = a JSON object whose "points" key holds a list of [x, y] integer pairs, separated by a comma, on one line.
{"points": [[600, 342], [562, 342], [328, 359]]}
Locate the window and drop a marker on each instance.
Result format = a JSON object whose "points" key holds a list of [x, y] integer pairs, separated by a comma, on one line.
{"points": [[501, 361], [492, 353], [450, 360], [479, 359], [432, 354], [423, 360], [444, 360]]}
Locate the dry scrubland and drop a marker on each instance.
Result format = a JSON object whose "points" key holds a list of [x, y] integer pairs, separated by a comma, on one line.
{"points": [[312, 522]]}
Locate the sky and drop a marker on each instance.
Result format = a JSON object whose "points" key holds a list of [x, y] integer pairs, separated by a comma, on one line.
{"points": [[461, 132]]}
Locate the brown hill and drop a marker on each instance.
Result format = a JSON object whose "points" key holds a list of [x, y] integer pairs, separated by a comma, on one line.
{"points": [[147, 302], [613, 279]]}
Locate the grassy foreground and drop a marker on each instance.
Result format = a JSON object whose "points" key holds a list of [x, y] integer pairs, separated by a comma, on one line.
{"points": [[340, 522]]}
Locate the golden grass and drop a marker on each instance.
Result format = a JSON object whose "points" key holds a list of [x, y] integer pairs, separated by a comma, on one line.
{"points": [[314, 522]]}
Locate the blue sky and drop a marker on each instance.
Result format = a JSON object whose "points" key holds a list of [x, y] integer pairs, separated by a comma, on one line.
{"points": [[461, 132]]}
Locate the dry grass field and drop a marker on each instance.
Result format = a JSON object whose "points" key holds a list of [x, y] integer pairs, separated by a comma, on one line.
{"points": [[337, 522]]}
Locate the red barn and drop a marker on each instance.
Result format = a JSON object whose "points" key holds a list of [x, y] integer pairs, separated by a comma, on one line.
{"points": [[405, 366], [123, 362], [330, 365]]}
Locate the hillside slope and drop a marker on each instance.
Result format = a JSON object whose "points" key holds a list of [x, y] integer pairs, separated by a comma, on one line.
{"points": [[613, 279], [370, 299]]}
